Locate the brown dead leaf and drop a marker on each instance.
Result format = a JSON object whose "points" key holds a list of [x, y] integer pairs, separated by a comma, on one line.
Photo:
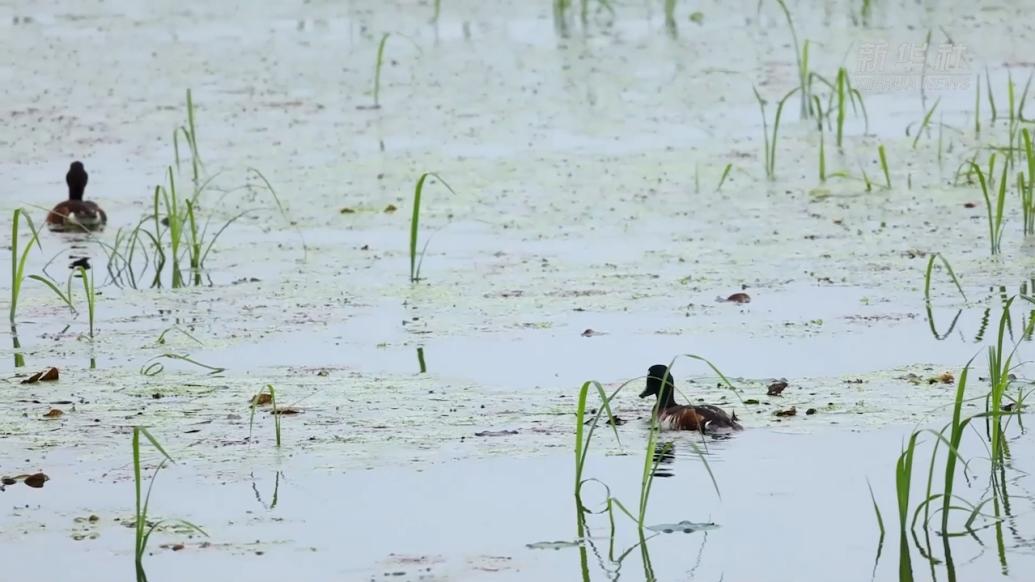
{"points": [[347, 210], [286, 411], [787, 412], [390, 208], [36, 480], [739, 298], [48, 375], [53, 413], [262, 398]]}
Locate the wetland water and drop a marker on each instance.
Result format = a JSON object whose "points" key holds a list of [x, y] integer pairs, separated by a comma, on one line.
{"points": [[590, 228]]}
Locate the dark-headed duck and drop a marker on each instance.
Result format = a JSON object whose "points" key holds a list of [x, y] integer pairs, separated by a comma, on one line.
{"points": [[672, 416], [76, 214]]}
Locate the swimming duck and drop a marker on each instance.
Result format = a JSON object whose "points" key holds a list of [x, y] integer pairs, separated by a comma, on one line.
{"points": [[75, 214], [674, 416]]}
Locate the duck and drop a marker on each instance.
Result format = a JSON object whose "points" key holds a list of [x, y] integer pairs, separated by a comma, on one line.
{"points": [[76, 214], [672, 416]]}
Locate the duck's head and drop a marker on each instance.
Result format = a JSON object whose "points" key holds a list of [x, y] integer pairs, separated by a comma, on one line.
{"points": [[656, 375], [76, 179]]}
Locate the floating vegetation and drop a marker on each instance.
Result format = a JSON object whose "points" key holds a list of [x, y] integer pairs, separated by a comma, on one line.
{"points": [[154, 366]]}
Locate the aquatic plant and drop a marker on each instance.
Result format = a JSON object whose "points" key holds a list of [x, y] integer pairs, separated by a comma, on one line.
{"points": [[18, 259], [884, 166], [801, 56], [770, 143], [930, 270], [1026, 185], [153, 367], [418, 190], [994, 209], [926, 122], [190, 135], [256, 400], [378, 64], [670, 17], [143, 529], [725, 174]]}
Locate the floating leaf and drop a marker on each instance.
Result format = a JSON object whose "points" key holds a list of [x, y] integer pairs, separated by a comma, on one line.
{"points": [[47, 375]]}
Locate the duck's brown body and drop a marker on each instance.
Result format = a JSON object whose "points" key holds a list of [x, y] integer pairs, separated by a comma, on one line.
{"points": [[672, 416], [76, 214]]}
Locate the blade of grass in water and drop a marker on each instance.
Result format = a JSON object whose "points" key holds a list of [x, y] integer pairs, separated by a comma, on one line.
{"points": [[18, 261], [926, 122], [725, 174], [418, 191], [948, 268], [377, 69], [884, 166]]}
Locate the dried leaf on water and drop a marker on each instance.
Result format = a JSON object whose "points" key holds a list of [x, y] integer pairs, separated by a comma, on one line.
{"points": [[262, 398], [47, 375], [53, 413], [739, 298], [36, 480], [787, 412]]}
